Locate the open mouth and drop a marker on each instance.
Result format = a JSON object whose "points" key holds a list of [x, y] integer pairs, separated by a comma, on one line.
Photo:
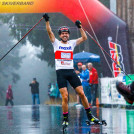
{"points": [[64, 37]]}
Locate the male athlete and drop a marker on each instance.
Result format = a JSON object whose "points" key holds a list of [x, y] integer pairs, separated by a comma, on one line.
{"points": [[127, 91], [63, 50]]}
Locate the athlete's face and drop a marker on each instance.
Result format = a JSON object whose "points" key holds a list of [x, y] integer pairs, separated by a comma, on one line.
{"points": [[64, 36]]}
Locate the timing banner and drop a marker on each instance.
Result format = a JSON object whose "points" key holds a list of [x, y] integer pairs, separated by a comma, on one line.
{"points": [[95, 18]]}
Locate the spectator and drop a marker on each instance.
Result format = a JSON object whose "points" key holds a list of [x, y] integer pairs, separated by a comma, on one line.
{"points": [[35, 91], [53, 91], [49, 87], [93, 83], [9, 96], [79, 65], [84, 75]]}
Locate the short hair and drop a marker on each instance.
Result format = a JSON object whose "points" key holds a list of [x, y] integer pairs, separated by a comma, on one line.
{"points": [[34, 78], [84, 66], [90, 64]]}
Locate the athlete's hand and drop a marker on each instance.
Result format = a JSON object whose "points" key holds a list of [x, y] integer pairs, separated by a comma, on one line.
{"points": [[78, 23], [46, 17]]}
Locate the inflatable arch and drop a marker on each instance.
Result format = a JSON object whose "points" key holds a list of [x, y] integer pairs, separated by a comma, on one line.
{"points": [[95, 18]]}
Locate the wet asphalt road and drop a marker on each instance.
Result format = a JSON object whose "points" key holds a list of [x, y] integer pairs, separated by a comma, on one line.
{"points": [[44, 119]]}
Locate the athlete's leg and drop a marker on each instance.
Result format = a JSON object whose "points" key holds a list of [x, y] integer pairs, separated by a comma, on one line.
{"points": [[64, 94], [84, 100], [62, 84], [85, 103], [76, 84]]}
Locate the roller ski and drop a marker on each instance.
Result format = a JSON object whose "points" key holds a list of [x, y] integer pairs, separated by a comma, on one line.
{"points": [[103, 122], [93, 120]]}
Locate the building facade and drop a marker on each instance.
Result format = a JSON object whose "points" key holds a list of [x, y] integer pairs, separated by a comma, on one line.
{"points": [[125, 10]]}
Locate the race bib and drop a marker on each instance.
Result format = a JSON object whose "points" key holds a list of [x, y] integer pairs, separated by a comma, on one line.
{"points": [[65, 55]]}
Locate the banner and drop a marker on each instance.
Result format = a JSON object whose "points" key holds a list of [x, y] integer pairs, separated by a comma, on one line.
{"points": [[116, 55], [109, 93]]}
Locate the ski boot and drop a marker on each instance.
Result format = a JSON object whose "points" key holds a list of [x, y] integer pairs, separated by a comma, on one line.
{"points": [[127, 91], [94, 121], [91, 118]]}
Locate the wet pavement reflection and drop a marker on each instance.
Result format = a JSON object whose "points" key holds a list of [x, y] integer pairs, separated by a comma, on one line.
{"points": [[46, 119]]}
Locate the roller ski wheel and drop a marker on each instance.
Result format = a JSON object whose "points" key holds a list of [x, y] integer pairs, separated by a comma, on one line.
{"points": [[103, 122], [65, 125]]}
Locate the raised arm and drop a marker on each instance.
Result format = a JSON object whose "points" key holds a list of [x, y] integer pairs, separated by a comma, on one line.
{"points": [[83, 34], [48, 28]]}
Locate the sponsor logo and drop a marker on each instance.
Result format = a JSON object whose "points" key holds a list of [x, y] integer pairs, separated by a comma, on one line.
{"points": [[65, 48], [116, 55], [65, 63]]}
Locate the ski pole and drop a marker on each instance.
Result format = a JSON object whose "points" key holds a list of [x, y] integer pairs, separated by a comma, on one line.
{"points": [[21, 39], [107, 54]]}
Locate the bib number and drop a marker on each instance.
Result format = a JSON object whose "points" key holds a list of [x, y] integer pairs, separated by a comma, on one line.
{"points": [[65, 55]]}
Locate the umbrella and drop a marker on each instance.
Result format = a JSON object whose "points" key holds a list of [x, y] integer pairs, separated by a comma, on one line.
{"points": [[86, 57]]}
